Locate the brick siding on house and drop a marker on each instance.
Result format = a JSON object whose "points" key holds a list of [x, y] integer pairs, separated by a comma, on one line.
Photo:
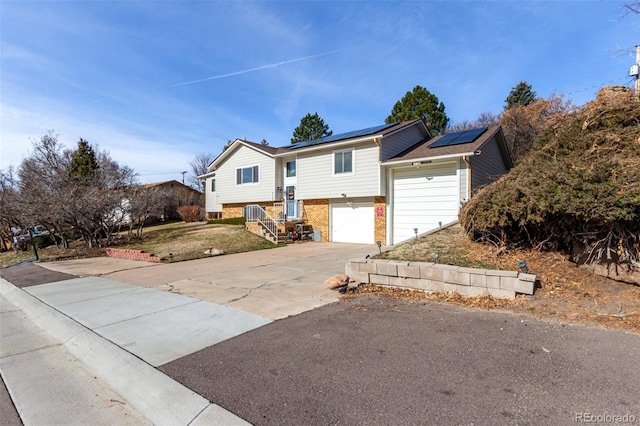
{"points": [[316, 214], [237, 209], [232, 210], [380, 222]]}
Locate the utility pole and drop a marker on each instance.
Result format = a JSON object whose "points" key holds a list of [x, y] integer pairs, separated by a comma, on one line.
{"points": [[184, 173], [634, 71]]}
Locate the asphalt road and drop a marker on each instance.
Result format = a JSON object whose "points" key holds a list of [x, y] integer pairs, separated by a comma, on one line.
{"points": [[373, 360]]}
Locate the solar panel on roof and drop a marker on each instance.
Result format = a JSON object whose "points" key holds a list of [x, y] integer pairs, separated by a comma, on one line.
{"points": [[341, 136], [458, 138]]}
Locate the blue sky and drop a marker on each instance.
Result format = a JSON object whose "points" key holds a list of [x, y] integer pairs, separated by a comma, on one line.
{"points": [[157, 82]]}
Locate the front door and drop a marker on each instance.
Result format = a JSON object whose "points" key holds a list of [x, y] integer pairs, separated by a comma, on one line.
{"points": [[290, 196], [291, 202]]}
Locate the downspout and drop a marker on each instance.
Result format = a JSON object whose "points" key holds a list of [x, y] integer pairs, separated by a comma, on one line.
{"points": [[377, 143], [464, 158], [387, 194]]}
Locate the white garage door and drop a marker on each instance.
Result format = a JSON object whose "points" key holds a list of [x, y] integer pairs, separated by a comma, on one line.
{"points": [[352, 223], [423, 197]]}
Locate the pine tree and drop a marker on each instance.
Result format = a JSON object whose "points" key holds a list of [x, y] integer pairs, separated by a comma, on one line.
{"points": [[311, 127], [83, 164], [422, 104], [520, 95]]}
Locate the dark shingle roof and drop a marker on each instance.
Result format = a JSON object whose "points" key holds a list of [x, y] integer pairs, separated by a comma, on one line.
{"points": [[382, 130], [423, 149], [266, 148]]}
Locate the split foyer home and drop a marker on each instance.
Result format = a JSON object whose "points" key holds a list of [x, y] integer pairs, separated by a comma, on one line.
{"points": [[386, 183]]}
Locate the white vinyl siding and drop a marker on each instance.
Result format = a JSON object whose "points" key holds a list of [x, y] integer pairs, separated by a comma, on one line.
{"points": [[211, 198], [229, 191], [316, 178], [424, 198]]}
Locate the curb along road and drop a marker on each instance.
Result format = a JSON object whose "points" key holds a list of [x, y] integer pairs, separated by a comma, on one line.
{"points": [[147, 392]]}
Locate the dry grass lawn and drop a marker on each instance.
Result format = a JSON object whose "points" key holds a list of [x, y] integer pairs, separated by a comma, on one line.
{"points": [[184, 241]]}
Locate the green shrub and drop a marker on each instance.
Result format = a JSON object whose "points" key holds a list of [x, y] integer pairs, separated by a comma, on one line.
{"points": [[229, 221]]}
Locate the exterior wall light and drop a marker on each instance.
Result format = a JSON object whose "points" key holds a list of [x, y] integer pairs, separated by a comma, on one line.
{"points": [[523, 267]]}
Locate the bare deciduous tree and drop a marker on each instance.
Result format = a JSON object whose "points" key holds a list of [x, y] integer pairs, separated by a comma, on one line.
{"points": [[85, 203], [523, 124], [485, 119], [199, 166]]}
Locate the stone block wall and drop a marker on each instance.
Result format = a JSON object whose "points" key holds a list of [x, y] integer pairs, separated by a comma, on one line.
{"points": [[132, 255], [437, 277]]}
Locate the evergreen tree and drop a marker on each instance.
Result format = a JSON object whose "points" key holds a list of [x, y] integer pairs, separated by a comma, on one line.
{"points": [[311, 127], [83, 161], [422, 104], [520, 95]]}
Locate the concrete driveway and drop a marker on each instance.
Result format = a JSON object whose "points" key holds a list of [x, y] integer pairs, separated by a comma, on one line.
{"points": [[272, 283]]}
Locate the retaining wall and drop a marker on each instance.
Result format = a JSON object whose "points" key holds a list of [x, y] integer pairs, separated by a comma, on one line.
{"points": [[437, 277], [132, 254]]}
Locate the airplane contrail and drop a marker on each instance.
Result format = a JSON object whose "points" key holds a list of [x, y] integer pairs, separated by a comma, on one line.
{"points": [[277, 64]]}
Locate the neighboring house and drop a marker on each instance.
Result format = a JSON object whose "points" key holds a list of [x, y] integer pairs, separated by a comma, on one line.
{"points": [[172, 194], [382, 183]]}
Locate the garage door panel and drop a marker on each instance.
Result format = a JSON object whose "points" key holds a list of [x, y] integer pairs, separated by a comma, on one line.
{"points": [[422, 198], [352, 223]]}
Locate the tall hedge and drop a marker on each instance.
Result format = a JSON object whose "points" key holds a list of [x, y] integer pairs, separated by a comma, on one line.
{"points": [[578, 191]]}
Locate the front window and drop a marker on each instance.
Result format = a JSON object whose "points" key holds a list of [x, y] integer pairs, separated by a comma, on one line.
{"points": [[343, 162], [247, 175], [291, 168]]}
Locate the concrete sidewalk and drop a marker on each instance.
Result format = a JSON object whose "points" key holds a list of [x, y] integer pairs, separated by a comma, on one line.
{"points": [[96, 339], [83, 351]]}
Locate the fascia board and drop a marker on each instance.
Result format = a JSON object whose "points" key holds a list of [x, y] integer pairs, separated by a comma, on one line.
{"points": [[440, 157]]}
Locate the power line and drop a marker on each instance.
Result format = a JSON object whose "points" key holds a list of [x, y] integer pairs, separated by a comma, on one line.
{"points": [[599, 86]]}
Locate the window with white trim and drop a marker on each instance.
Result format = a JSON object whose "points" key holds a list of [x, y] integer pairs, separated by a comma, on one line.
{"points": [[343, 162], [213, 185], [247, 175], [291, 168]]}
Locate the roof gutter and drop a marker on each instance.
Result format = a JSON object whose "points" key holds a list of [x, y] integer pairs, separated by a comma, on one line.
{"points": [[207, 175], [437, 158]]}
